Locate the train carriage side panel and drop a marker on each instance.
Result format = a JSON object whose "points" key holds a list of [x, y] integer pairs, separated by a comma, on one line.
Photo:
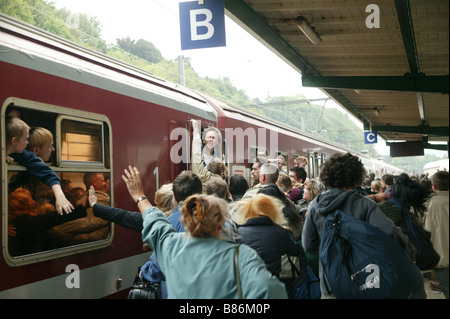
{"points": [[47, 77]]}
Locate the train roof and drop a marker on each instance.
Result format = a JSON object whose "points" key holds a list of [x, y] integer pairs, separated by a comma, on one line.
{"points": [[249, 116], [28, 46]]}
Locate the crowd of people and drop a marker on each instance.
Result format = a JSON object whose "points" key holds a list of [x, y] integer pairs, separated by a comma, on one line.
{"points": [[269, 220], [204, 218]]}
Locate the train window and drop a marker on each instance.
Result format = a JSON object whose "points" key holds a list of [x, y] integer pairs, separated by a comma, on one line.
{"points": [[81, 142], [32, 229]]}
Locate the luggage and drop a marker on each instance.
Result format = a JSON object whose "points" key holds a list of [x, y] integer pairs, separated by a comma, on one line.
{"points": [[303, 284], [361, 261], [143, 289]]}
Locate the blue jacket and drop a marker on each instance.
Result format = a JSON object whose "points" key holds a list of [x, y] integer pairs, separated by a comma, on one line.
{"points": [[150, 271], [37, 167], [204, 267]]}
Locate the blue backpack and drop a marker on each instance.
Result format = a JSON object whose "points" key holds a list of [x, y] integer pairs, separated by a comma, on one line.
{"points": [[305, 284], [361, 261]]}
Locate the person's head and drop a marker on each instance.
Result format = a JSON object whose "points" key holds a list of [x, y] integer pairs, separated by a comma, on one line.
{"points": [[95, 179], [376, 186], [238, 186], [20, 202], [75, 194], [410, 193], [313, 187], [16, 135], [262, 205], [343, 171], [388, 180], [439, 181], [212, 138], [256, 167], [203, 215], [165, 199], [366, 183], [185, 185], [66, 185], [300, 161], [297, 174], [217, 187], [216, 166], [44, 208], [40, 142], [290, 215], [281, 162], [268, 173], [284, 182]]}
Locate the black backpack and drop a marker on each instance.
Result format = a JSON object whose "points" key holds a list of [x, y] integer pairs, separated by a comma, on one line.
{"points": [[426, 257]]}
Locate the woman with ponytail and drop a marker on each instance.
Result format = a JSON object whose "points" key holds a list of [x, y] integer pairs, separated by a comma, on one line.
{"points": [[198, 264]]}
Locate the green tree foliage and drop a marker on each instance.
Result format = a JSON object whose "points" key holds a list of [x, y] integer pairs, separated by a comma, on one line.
{"points": [[17, 9], [141, 48], [82, 29]]}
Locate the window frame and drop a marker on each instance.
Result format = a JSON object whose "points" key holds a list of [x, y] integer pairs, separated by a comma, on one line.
{"points": [[105, 167], [81, 164]]}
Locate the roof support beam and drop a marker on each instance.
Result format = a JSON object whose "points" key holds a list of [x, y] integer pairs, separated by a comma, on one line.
{"points": [[407, 29], [421, 129], [407, 83]]}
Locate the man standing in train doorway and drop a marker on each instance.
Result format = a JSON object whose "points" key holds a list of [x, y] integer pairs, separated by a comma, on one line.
{"points": [[212, 139]]}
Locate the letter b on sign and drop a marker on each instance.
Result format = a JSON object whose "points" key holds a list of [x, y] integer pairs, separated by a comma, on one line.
{"points": [[202, 26]]}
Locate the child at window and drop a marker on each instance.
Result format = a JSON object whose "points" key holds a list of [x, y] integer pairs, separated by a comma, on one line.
{"points": [[17, 132]]}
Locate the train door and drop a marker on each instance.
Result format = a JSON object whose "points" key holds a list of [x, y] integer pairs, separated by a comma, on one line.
{"points": [[32, 230]]}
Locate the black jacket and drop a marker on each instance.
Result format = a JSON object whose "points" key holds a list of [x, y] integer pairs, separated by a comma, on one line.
{"points": [[270, 241]]}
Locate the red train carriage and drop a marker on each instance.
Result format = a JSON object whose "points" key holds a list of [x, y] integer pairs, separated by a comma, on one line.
{"points": [[104, 115]]}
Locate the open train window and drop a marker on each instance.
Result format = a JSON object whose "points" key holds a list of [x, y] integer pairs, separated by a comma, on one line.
{"points": [[32, 230]]}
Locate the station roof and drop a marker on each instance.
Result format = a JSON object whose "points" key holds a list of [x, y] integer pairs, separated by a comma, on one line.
{"points": [[393, 76]]}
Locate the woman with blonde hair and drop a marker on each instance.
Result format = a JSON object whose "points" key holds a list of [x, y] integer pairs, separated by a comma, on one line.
{"points": [[261, 229], [165, 200], [197, 264], [376, 186]]}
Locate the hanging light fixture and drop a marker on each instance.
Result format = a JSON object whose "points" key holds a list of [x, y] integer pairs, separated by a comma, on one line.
{"points": [[308, 30]]}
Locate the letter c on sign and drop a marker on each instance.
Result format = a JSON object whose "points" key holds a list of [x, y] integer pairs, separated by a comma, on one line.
{"points": [[371, 137]]}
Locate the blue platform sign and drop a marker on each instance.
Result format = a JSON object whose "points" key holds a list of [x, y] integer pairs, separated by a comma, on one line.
{"points": [[202, 25], [371, 137]]}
